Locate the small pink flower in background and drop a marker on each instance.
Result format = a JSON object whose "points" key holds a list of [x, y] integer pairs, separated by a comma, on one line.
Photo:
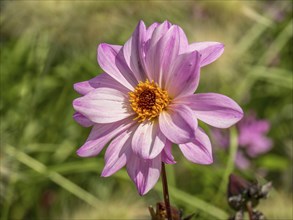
{"points": [[145, 101], [252, 139]]}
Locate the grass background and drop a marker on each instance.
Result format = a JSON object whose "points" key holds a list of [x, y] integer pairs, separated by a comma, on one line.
{"points": [[46, 46]]}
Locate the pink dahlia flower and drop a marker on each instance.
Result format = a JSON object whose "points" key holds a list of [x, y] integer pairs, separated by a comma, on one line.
{"points": [[252, 139], [145, 101]]}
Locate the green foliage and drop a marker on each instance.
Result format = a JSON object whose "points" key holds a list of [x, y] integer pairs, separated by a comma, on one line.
{"points": [[48, 46]]}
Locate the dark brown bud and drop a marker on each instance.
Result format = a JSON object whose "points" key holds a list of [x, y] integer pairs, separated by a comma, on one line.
{"points": [[240, 192], [237, 185]]}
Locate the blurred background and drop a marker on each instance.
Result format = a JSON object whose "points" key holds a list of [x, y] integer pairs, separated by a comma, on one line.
{"points": [[47, 46]]}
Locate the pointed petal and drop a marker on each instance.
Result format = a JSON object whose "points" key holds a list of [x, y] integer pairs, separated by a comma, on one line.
{"points": [[111, 60], [184, 75], [117, 153], [167, 156], [210, 51], [160, 55], [150, 30], [83, 87], [148, 141], [103, 105], [133, 50], [145, 45], [214, 109], [199, 150], [163, 28], [82, 120], [149, 33], [102, 80], [159, 32], [178, 124], [183, 41], [100, 135], [144, 173]]}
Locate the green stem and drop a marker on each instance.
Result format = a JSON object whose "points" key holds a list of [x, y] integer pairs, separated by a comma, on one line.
{"points": [[165, 192], [230, 163]]}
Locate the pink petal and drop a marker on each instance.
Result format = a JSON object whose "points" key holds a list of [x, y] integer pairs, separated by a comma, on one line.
{"points": [[102, 80], [150, 30], [144, 173], [117, 153], [178, 124], [183, 41], [210, 51], [199, 150], [167, 156], [103, 105], [82, 120], [161, 54], [259, 145], [214, 109], [163, 28], [241, 161], [184, 76], [158, 32], [100, 135], [148, 141], [150, 44], [145, 46], [133, 50], [149, 33], [111, 60]]}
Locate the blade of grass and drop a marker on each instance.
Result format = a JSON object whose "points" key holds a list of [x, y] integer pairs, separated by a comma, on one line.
{"points": [[277, 76], [278, 44], [230, 163], [251, 36], [254, 15], [88, 165], [8, 198], [54, 176], [261, 25], [40, 147]]}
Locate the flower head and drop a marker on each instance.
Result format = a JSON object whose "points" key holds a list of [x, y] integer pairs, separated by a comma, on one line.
{"points": [[252, 139], [145, 101]]}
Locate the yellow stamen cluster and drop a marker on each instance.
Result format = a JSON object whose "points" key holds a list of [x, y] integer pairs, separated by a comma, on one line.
{"points": [[148, 100]]}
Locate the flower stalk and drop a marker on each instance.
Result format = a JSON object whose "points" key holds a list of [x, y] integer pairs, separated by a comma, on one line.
{"points": [[249, 210], [165, 192]]}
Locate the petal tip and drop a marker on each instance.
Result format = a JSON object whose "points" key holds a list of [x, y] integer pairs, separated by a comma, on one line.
{"points": [[80, 153], [75, 86], [84, 152], [142, 191], [105, 173], [141, 22], [168, 23], [76, 102], [210, 160]]}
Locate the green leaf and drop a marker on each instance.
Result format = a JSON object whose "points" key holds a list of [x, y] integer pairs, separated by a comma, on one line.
{"points": [[273, 162], [53, 176]]}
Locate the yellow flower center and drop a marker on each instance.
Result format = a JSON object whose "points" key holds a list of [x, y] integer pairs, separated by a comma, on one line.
{"points": [[148, 100]]}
